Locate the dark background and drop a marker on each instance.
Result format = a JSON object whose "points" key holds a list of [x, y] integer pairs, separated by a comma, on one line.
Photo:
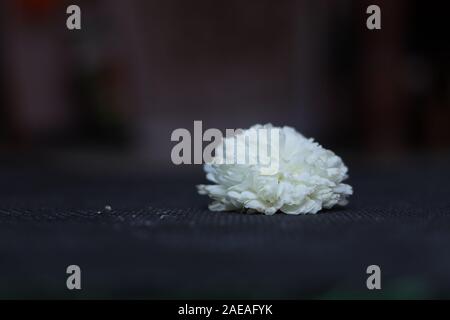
{"points": [[140, 69], [86, 118]]}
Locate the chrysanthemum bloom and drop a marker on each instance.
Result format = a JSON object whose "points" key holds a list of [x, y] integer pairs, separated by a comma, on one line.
{"points": [[306, 177]]}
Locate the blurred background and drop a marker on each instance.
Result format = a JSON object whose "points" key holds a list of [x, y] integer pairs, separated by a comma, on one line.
{"points": [[139, 69], [106, 98]]}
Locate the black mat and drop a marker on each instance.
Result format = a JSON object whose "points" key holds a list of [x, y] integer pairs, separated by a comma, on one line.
{"points": [[160, 241]]}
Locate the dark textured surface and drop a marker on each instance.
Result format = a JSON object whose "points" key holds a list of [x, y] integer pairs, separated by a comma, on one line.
{"points": [[160, 241]]}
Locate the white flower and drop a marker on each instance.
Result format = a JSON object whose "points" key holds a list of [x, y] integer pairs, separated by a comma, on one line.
{"points": [[308, 178]]}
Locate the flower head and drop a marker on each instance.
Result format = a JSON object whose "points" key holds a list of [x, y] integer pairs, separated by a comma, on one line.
{"points": [[302, 176]]}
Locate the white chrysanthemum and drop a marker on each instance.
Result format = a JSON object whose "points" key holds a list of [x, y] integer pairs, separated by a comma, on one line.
{"points": [[308, 178]]}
